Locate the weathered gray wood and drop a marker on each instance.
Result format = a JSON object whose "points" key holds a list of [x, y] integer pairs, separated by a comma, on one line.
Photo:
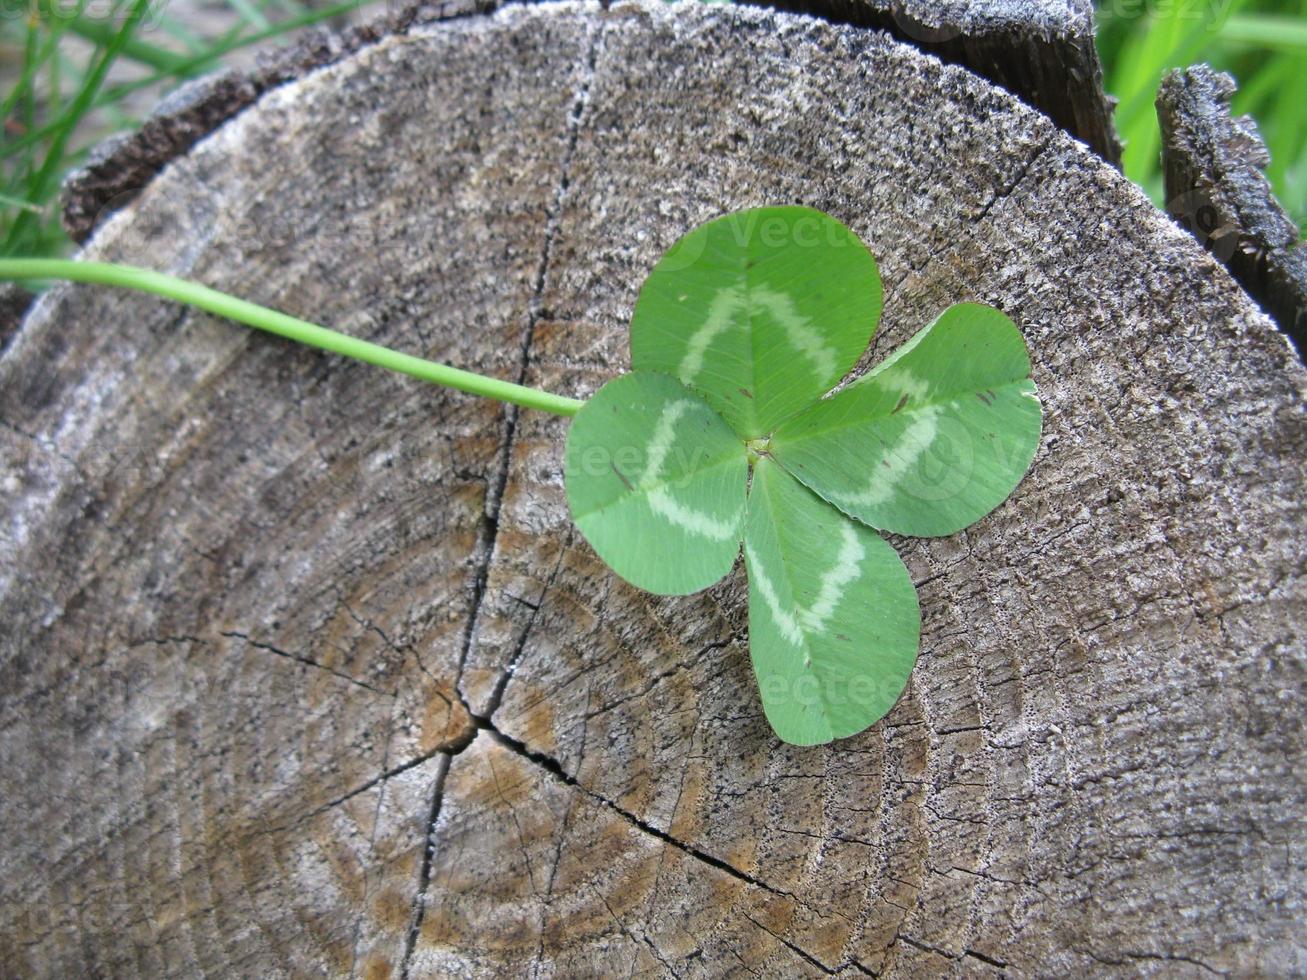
{"points": [[252, 597], [1215, 186], [1042, 52]]}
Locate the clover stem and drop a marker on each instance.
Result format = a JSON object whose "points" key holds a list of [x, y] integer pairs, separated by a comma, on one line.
{"points": [[292, 328]]}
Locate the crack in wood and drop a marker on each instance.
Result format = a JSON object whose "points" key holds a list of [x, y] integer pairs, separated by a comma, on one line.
{"points": [[558, 857], [555, 768], [489, 531], [1109, 960], [687, 664], [1008, 189], [306, 661], [424, 874], [793, 947], [510, 668]]}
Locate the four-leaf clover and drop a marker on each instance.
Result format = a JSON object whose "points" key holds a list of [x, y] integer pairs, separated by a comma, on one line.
{"points": [[731, 428], [724, 432]]}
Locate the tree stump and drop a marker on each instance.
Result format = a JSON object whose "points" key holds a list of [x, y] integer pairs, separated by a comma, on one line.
{"points": [[1042, 52], [305, 671], [1215, 187]]}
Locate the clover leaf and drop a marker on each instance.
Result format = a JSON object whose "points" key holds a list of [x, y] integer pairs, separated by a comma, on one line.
{"points": [[656, 481], [737, 334], [931, 440], [760, 310], [833, 617]]}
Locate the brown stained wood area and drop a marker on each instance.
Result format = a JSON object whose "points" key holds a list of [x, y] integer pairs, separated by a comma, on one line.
{"points": [[303, 669]]}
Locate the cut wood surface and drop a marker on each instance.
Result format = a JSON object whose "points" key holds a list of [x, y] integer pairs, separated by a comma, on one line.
{"points": [[303, 669], [1043, 51]]}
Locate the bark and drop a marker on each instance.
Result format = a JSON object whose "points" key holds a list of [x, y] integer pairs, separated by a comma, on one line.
{"points": [[14, 301], [304, 669], [1215, 186]]}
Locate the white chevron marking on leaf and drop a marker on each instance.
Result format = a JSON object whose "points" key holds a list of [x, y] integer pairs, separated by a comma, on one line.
{"points": [[846, 570], [806, 340], [798, 328], [661, 444], [812, 619], [903, 455], [660, 499], [665, 505], [720, 311], [786, 623]]}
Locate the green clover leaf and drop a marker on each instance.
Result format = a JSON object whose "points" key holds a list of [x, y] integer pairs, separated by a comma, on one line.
{"points": [[760, 310], [934, 438], [655, 481], [737, 334], [833, 616]]}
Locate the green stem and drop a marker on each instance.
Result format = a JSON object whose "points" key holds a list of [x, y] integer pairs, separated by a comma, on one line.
{"points": [[262, 318]]}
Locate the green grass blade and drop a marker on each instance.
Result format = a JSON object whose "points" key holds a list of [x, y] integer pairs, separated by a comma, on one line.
{"points": [[190, 66], [1267, 31], [17, 202], [102, 34], [250, 14], [52, 165]]}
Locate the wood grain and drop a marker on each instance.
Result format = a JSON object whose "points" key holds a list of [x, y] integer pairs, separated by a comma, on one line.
{"points": [[1042, 52], [304, 670]]}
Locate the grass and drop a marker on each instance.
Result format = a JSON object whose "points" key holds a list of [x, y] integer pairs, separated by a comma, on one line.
{"points": [[1262, 43], [81, 69]]}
